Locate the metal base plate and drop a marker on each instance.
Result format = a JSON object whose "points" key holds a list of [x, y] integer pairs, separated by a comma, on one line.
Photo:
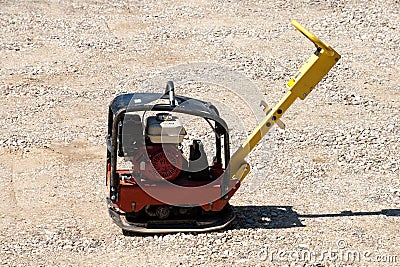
{"points": [[210, 222]]}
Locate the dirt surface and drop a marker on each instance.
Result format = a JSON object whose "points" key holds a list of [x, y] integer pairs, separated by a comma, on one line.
{"points": [[323, 192]]}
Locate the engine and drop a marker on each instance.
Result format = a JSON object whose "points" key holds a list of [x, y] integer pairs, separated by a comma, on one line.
{"points": [[165, 161], [161, 157]]}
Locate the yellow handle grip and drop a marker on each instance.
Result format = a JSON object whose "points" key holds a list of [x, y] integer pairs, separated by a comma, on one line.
{"points": [[312, 37]]}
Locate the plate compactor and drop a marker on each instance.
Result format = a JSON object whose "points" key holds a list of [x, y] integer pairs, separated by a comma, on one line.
{"points": [[154, 187]]}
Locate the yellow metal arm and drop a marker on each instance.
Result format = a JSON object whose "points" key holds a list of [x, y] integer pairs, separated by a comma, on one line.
{"points": [[309, 75]]}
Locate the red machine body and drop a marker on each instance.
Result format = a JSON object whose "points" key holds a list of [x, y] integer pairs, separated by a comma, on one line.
{"points": [[155, 186]]}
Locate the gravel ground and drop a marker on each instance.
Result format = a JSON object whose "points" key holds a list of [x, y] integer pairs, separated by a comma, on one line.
{"points": [[323, 192]]}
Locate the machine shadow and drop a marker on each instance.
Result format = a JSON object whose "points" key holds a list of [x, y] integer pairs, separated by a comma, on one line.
{"points": [[276, 217]]}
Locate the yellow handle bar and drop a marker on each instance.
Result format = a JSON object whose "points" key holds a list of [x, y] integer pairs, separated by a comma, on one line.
{"points": [[308, 76], [312, 37]]}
